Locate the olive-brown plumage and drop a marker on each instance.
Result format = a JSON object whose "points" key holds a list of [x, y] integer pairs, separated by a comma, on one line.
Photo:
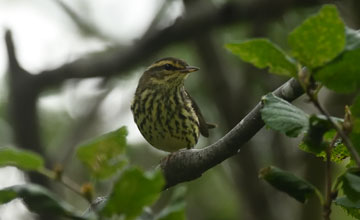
{"points": [[164, 112]]}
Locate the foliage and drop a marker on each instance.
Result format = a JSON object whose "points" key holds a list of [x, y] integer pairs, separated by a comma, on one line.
{"points": [[282, 116], [132, 192], [39, 200], [338, 154], [351, 208], [308, 42], [287, 182], [326, 53], [322, 45], [25, 160], [332, 75], [104, 156], [271, 56]]}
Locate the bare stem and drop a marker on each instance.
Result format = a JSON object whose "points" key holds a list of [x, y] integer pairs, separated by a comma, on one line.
{"points": [[65, 181], [328, 195], [342, 134], [68, 183], [313, 95]]}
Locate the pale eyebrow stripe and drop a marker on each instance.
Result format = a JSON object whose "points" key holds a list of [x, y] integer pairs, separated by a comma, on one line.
{"points": [[163, 62]]}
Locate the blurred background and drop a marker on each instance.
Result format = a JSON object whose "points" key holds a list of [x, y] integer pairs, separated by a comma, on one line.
{"points": [[81, 60]]}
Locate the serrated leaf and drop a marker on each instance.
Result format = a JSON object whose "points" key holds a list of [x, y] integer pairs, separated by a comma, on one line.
{"points": [[319, 39], [132, 192], [342, 74], [280, 115], [22, 159], [39, 200], [352, 208], [287, 182], [104, 156], [262, 53]]}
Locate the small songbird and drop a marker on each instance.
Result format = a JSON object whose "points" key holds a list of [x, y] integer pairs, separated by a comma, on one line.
{"points": [[164, 112]]}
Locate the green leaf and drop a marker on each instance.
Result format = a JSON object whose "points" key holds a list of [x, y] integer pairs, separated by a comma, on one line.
{"points": [[262, 53], [351, 185], [342, 74], [339, 151], [282, 116], [104, 156], [132, 192], [314, 136], [352, 208], [355, 121], [344, 201], [7, 195], [22, 159], [287, 182], [319, 39], [39, 200], [338, 154], [355, 107], [355, 133]]}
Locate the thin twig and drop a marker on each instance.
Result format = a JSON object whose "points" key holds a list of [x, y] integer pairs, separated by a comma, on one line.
{"points": [[65, 181], [68, 183], [342, 134], [348, 144], [85, 26], [329, 197]]}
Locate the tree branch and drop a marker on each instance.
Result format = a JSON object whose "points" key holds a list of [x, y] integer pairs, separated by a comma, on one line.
{"points": [[85, 27], [117, 61], [245, 166], [188, 165], [13, 63], [22, 107]]}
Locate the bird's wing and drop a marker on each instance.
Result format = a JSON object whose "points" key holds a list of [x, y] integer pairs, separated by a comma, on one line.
{"points": [[204, 126]]}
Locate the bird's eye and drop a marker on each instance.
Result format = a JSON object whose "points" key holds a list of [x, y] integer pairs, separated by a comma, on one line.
{"points": [[168, 67]]}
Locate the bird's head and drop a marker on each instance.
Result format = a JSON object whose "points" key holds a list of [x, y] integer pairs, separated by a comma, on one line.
{"points": [[167, 72]]}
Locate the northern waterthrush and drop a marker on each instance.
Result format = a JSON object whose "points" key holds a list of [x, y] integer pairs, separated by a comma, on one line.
{"points": [[166, 115]]}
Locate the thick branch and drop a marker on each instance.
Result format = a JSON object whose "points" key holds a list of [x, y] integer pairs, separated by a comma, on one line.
{"points": [[119, 60], [22, 107], [188, 165], [13, 63]]}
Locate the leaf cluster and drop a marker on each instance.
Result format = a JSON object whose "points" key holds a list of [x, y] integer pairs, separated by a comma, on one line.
{"points": [[133, 189], [323, 52]]}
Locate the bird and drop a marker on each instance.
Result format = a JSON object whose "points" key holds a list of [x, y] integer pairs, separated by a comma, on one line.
{"points": [[164, 112]]}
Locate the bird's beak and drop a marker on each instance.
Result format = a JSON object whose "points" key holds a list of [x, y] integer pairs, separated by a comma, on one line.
{"points": [[190, 69]]}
